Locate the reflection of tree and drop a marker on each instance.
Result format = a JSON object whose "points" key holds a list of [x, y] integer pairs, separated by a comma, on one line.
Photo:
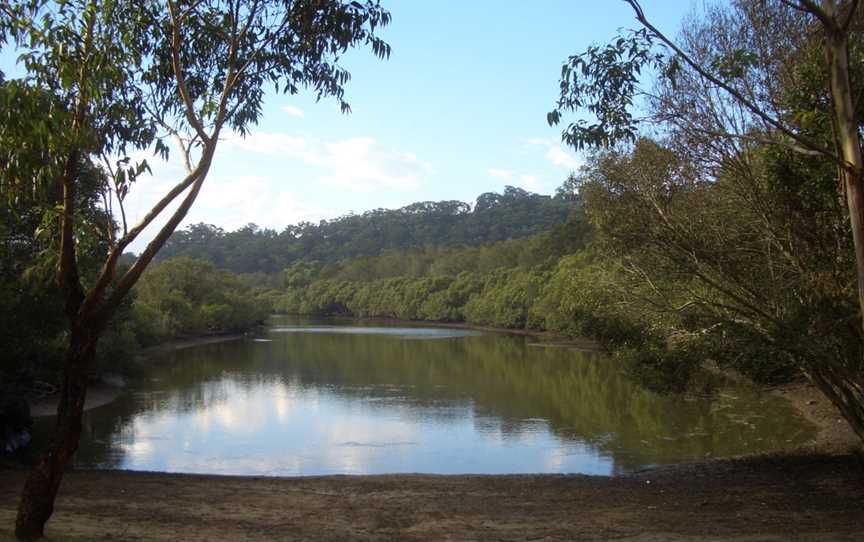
{"points": [[512, 387]]}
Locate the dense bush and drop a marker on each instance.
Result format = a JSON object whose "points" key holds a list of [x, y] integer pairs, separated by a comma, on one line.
{"points": [[185, 296]]}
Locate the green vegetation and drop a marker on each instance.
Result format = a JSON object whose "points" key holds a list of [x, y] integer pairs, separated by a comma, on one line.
{"points": [[183, 296], [736, 235], [104, 79], [732, 233], [514, 213]]}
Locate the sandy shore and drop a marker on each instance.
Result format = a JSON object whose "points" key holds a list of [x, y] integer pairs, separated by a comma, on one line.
{"points": [[764, 498]]}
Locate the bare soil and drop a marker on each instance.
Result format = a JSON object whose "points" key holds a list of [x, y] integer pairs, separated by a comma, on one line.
{"points": [[764, 498]]}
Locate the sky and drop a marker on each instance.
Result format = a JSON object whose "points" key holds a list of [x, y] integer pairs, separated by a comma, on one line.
{"points": [[458, 109]]}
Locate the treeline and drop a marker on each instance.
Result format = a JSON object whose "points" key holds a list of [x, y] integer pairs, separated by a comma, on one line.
{"points": [[493, 285], [513, 214], [665, 276]]}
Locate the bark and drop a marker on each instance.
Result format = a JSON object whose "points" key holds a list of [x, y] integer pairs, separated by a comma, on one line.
{"points": [[40, 488], [845, 391], [837, 53]]}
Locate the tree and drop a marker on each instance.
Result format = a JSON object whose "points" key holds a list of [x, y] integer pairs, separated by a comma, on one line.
{"points": [[132, 75], [729, 91], [605, 81]]}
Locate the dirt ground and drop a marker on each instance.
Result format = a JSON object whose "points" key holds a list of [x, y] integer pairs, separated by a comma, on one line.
{"points": [[764, 498]]}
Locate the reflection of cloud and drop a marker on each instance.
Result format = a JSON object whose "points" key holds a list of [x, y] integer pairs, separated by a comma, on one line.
{"points": [[355, 442], [139, 450]]}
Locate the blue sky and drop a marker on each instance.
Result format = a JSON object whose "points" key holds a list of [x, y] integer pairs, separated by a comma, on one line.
{"points": [[458, 109]]}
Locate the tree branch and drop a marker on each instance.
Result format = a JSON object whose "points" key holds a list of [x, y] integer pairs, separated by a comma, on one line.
{"points": [[181, 80], [805, 142], [134, 273]]}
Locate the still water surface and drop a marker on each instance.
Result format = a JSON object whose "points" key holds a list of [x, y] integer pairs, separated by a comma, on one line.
{"points": [[354, 399]]}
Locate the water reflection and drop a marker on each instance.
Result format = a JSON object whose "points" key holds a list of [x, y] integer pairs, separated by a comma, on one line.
{"points": [[325, 399]]}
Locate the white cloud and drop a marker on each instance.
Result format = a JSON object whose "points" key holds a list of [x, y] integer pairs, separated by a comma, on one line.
{"points": [[555, 153], [505, 174], [358, 164], [561, 158], [234, 201], [530, 183], [293, 111], [275, 143]]}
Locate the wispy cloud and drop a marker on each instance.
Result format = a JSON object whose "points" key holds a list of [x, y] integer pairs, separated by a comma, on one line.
{"points": [[561, 158], [359, 164], [505, 174], [293, 111], [555, 153], [530, 183]]}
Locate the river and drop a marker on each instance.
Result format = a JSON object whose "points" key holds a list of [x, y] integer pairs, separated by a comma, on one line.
{"points": [[354, 398]]}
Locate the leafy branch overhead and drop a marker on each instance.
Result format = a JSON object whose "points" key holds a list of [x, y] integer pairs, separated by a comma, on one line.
{"points": [[604, 80]]}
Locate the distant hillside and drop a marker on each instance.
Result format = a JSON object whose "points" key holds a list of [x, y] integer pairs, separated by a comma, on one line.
{"points": [[494, 217]]}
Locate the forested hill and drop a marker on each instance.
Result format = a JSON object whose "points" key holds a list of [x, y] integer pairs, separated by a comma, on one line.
{"points": [[513, 214]]}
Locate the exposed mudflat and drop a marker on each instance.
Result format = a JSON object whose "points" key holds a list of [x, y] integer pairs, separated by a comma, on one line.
{"points": [[761, 498]]}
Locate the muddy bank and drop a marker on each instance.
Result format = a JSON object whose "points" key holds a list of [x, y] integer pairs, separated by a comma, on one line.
{"points": [[835, 436], [109, 388], [98, 394], [765, 498], [188, 342]]}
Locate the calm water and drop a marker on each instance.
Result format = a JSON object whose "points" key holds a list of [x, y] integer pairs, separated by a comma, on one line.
{"points": [[303, 400]]}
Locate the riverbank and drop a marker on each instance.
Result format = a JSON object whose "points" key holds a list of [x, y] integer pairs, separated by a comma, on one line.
{"points": [[834, 436], [795, 497], [805, 494], [108, 389], [543, 338]]}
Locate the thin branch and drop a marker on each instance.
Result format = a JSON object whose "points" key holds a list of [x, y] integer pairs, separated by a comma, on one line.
{"points": [[824, 17], [844, 27], [178, 74], [106, 275], [109, 222], [640, 16], [128, 280], [187, 163], [755, 139]]}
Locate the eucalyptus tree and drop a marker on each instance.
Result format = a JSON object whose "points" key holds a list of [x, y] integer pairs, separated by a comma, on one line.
{"points": [[781, 75], [138, 75]]}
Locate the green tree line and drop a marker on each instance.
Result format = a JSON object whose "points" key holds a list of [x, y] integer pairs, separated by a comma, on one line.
{"points": [[514, 213]]}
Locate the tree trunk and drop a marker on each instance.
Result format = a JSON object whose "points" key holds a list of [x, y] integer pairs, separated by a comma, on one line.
{"points": [[837, 53], [40, 488]]}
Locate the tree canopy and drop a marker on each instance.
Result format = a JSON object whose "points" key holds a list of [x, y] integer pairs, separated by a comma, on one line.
{"points": [[512, 214]]}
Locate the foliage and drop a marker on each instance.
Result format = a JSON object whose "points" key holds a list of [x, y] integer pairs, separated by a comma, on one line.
{"points": [[117, 76], [732, 233], [495, 217], [184, 296]]}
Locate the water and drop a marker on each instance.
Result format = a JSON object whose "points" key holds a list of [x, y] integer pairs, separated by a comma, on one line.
{"points": [[353, 399]]}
